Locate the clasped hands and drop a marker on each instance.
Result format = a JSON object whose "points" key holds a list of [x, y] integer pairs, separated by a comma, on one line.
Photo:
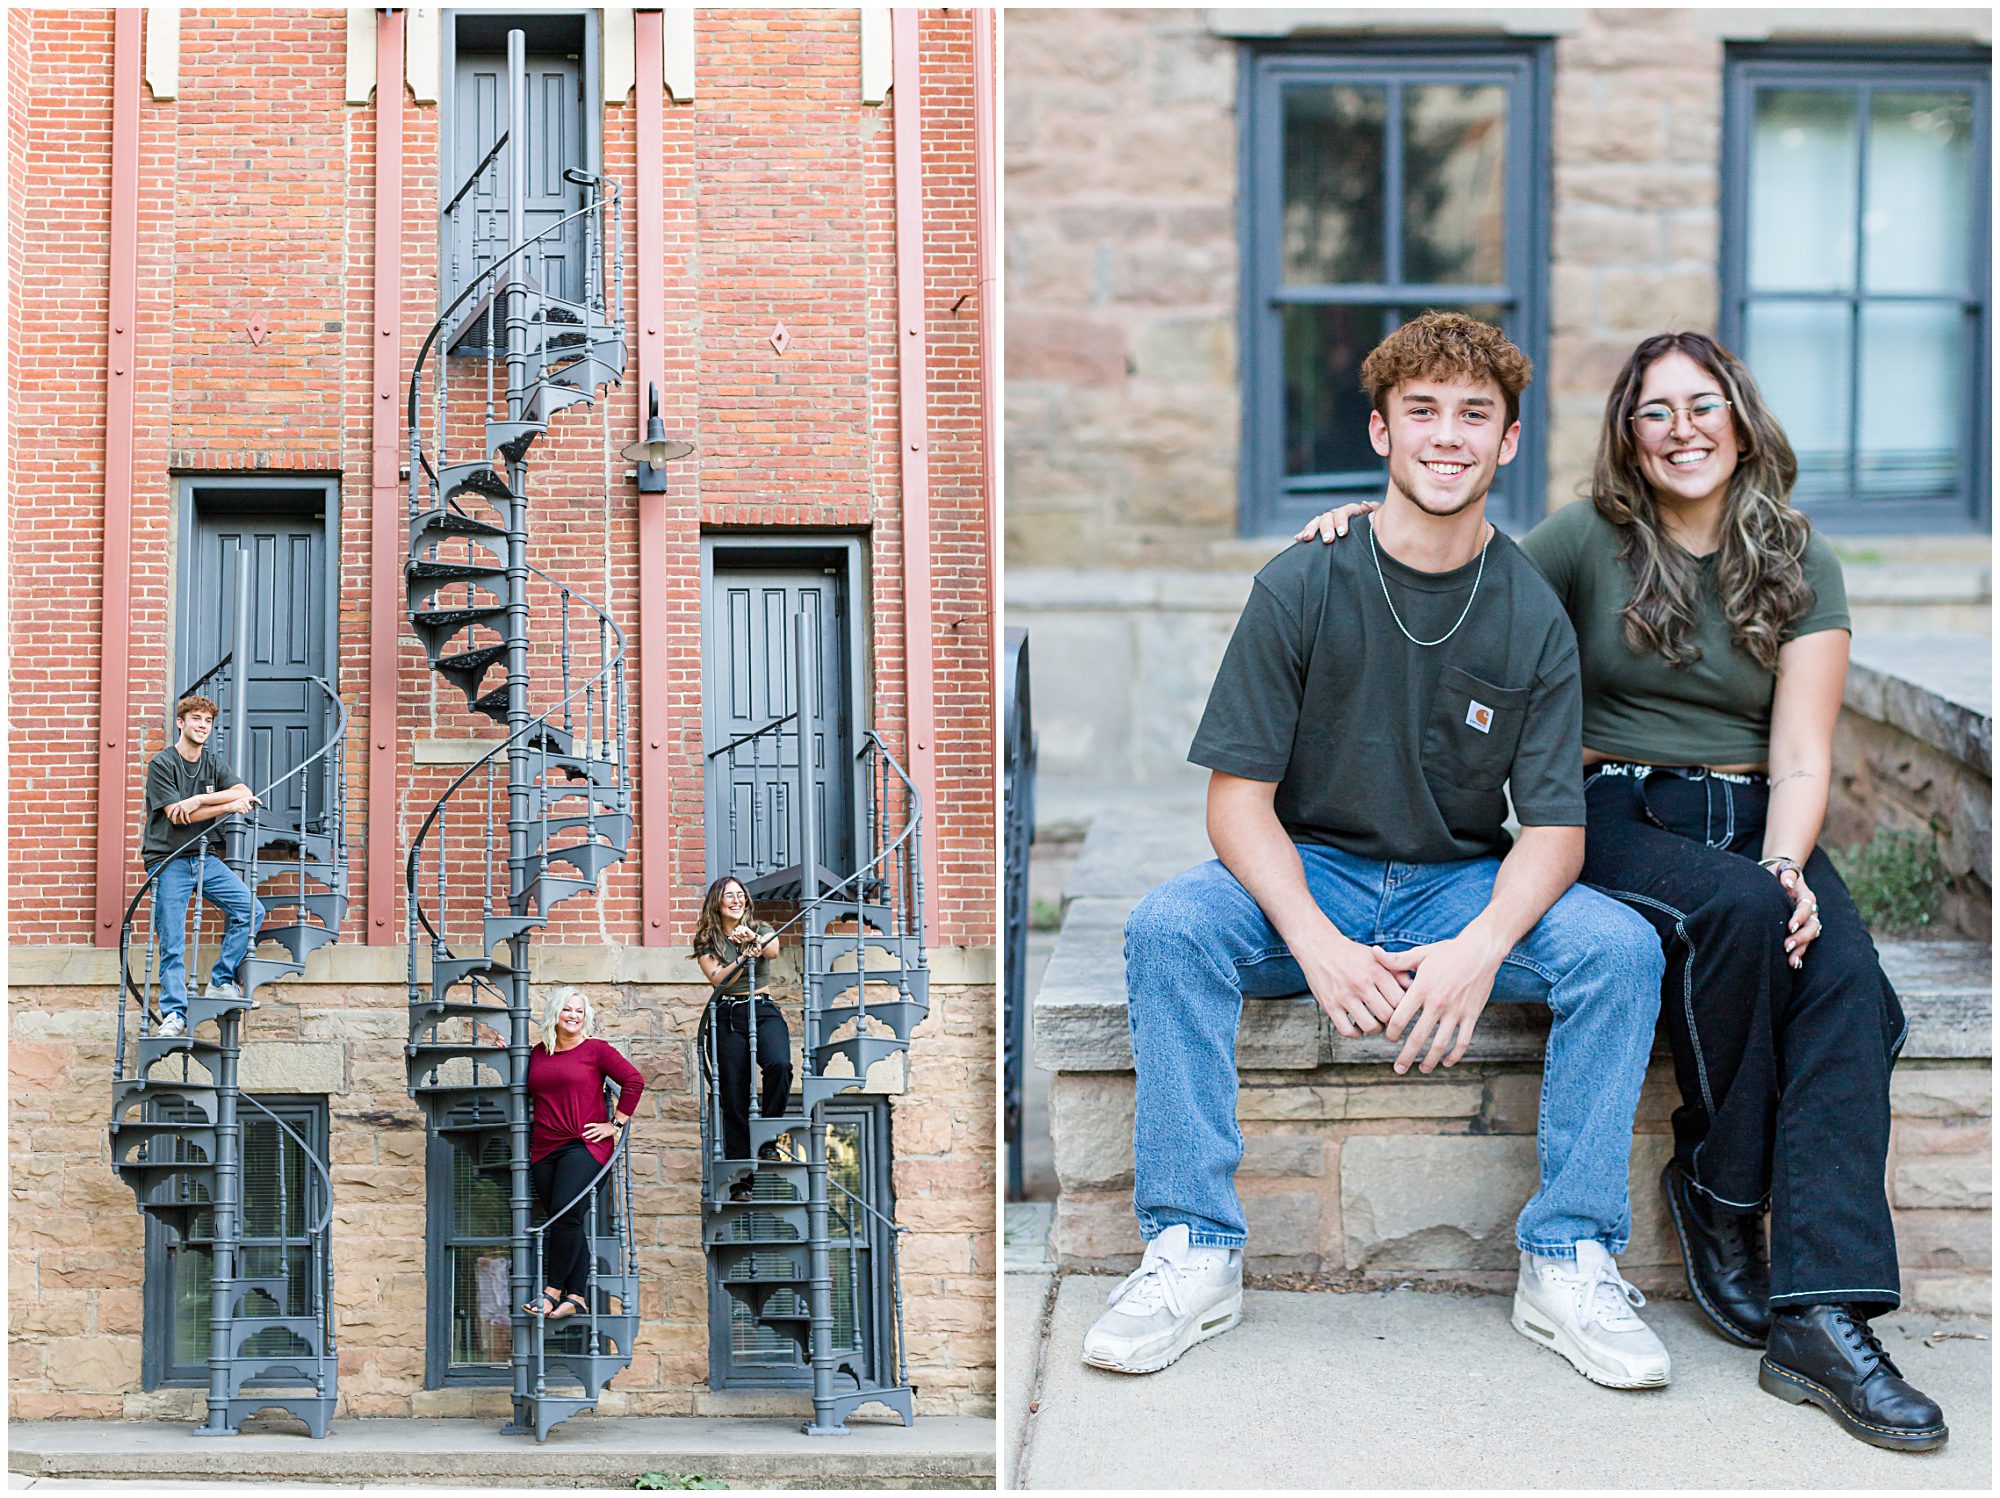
{"points": [[1432, 992], [237, 798]]}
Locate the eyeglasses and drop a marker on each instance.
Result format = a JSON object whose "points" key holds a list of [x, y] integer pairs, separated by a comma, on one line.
{"points": [[1656, 418]]}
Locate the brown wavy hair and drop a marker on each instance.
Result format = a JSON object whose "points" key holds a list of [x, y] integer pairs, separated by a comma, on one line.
{"points": [[1760, 565], [1446, 345], [710, 930]]}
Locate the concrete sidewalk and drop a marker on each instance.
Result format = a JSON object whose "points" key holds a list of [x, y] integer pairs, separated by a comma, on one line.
{"points": [[1405, 1388], [937, 1452]]}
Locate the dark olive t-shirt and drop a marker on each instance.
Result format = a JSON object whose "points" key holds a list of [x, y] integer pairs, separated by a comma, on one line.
{"points": [[1384, 748], [169, 778], [1716, 711], [729, 952]]}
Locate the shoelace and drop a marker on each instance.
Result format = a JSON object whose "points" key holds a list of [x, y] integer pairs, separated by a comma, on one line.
{"points": [[1742, 1237], [1864, 1338], [1625, 1295], [1148, 1287]]}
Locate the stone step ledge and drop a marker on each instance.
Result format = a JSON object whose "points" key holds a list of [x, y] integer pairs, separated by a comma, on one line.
{"points": [[1080, 1017]]}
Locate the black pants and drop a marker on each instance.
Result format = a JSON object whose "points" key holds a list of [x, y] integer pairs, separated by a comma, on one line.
{"points": [[1784, 1075], [731, 1018], [557, 1179]]}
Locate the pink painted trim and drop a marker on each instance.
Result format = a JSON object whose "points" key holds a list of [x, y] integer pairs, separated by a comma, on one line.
{"points": [[114, 698], [655, 695], [985, 151], [913, 377], [387, 539]]}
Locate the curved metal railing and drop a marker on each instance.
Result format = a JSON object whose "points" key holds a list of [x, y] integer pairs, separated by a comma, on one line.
{"points": [[336, 816]]}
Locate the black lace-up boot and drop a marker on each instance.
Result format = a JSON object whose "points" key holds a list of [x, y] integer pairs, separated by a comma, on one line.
{"points": [[1830, 1356], [1726, 1263]]}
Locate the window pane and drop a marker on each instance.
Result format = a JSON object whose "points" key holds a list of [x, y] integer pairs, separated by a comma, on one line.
{"points": [[1913, 404], [1803, 361], [1326, 415], [1332, 225], [477, 1273], [1804, 167], [1454, 160], [482, 1330], [1919, 219]]}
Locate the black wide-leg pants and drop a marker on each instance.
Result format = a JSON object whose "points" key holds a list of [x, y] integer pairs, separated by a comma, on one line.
{"points": [[557, 1179], [1784, 1075], [731, 1019]]}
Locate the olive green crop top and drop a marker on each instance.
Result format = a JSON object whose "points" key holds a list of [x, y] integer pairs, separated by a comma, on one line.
{"points": [[1716, 711]]}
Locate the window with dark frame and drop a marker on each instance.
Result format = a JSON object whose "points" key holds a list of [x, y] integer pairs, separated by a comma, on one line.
{"points": [[467, 1265], [1380, 181], [745, 1355], [1856, 274], [275, 1243]]}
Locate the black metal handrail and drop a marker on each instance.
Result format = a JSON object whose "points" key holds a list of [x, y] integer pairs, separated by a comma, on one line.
{"points": [[473, 176], [756, 733]]}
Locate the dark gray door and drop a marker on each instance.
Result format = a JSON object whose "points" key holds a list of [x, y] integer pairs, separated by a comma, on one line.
{"points": [[554, 142], [747, 650], [288, 645]]}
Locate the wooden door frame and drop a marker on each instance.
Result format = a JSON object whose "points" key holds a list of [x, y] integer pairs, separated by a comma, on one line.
{"points": [[795, 548], [589, 54], [277, 492]]}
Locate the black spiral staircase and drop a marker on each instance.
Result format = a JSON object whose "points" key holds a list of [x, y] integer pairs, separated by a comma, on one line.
{"points": [[177, 1107], [546, 809], [770, 1224]]}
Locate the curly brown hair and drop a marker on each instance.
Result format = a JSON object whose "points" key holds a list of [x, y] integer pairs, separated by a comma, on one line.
{"points": [[710, 932], [196, 703], [1760, 561], [1446, 345]]}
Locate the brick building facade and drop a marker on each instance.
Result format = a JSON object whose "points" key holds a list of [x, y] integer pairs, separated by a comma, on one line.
{"points": [[253, 244]]}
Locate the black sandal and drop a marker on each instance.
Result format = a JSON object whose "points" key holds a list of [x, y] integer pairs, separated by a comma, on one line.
{"points": [[542, 1305], [559, 1314]]}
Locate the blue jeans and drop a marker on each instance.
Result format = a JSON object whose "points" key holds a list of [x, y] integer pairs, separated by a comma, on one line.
{"points": [[1196, 947], [228, 894]]}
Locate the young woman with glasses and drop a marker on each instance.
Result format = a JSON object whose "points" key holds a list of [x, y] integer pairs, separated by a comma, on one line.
{"points": [[727, 938], [1713, 632]]}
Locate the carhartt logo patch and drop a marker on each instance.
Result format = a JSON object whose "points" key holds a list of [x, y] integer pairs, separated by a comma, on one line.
{"points": [[1479, 716]]}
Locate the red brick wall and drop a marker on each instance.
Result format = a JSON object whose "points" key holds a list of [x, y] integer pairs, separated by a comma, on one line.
{"points": [[258, 186]]}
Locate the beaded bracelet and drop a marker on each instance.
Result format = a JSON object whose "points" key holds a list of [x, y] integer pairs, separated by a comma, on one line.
{"points": [[1779, 864]]}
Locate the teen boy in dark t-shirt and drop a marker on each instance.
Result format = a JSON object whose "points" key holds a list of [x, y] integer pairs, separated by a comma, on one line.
{"points": [[189, 786], [1372, 707]]}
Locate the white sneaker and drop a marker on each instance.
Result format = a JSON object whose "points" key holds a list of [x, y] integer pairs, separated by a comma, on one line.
{"points": [[1584, 1311], [1178, 1296], [221, 988], [173, 1026]]}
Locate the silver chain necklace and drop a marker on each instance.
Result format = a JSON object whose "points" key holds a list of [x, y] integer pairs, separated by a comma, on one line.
{"points": [[1384, 581]]}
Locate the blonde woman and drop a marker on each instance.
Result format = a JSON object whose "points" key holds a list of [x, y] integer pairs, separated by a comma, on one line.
{"points": [[1712, 632], [572, 1138]]}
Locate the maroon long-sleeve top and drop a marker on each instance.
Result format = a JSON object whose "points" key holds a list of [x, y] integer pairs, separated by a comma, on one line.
{"points": [[567, 1088]]}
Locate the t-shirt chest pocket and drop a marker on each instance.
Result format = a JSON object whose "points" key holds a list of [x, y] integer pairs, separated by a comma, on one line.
{"points": [[1473, 731]]}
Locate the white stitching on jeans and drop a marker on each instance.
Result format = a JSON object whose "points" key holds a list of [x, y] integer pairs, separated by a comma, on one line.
{"points": [[1844, 1290], [1687, 982]]}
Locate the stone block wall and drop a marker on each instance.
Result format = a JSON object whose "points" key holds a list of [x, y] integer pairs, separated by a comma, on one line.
{"points": [[1355, 1172], [76, 1238]]}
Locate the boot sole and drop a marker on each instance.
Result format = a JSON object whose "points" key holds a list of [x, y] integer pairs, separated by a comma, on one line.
{"points": [[1213, 1322], [1796, 1388], [1722, 1323], [1544, 1332]]}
